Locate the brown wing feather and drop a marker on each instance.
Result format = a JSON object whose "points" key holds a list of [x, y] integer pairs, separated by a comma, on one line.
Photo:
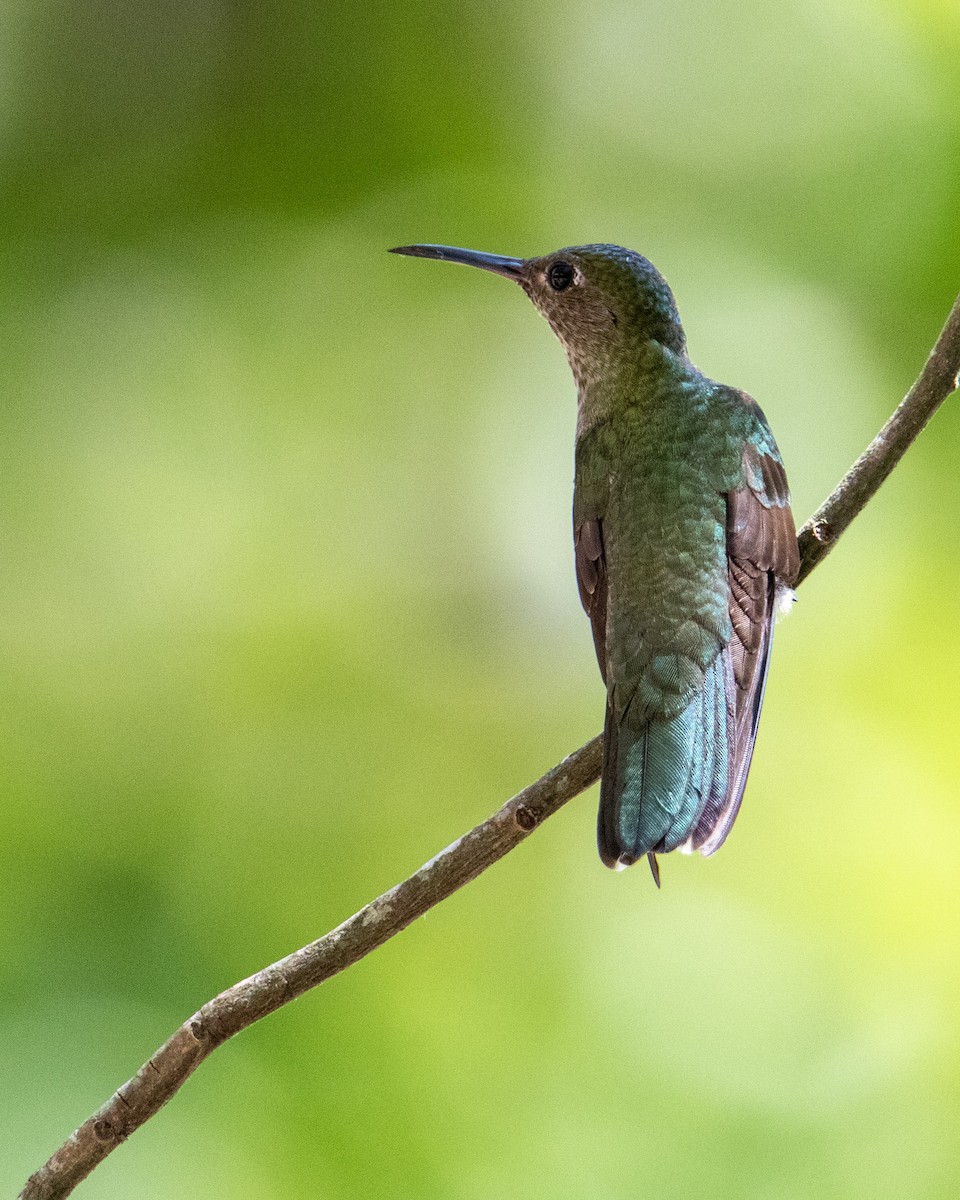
{"points": [[761, 551], [592, 582]]}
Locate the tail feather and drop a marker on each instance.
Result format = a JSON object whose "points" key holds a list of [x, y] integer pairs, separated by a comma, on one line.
{"points": [[724, 777], [710, 836], [665, 781]]}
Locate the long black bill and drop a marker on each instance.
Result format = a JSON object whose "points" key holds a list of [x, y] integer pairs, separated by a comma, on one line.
{"points": [[511, 267]]}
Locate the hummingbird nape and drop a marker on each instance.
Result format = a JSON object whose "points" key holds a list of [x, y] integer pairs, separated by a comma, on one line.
{"points": [[683, 537]]}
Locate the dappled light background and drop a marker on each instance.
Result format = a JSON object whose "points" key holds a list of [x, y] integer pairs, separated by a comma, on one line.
{"points": [[287, 599]]}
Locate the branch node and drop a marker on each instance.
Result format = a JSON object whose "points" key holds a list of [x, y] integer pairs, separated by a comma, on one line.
{"points": [[198, 1029], [103, 1131], [526, 818], [823, 531]]}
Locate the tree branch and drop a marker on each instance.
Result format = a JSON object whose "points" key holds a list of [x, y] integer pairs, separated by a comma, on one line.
{"points": [[239, 1006], [939, 377]]}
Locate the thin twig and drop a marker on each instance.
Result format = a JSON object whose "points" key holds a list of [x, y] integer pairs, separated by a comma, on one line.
{"points": [[239, 1006], [939, 377]]}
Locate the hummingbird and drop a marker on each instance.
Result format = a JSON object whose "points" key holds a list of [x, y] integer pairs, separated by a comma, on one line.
{"points": [[684, 547]]}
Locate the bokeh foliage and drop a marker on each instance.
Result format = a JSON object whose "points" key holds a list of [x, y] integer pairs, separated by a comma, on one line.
{"points": [[287, 599]]}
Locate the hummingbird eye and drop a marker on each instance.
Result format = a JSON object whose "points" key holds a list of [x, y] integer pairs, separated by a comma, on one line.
{"points": [[560, 275]]}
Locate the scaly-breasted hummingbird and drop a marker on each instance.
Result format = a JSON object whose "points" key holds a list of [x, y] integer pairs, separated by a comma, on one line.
{"points": [[684, 545]]}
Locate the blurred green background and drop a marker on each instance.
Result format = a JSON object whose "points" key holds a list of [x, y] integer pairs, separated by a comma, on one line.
{"points": [[287, 599]]}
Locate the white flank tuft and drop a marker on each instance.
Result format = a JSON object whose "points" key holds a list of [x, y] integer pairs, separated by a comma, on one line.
{"points": [[783, 601]]}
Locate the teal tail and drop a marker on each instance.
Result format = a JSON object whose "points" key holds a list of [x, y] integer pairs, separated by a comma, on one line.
{"points": [[677, 782]]}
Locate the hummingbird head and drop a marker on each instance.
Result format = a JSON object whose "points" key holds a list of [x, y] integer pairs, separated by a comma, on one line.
{"points": [[603, 302]]}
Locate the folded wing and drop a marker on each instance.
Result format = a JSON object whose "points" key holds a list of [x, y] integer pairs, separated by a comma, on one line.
{"points": [[762, 554]]}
